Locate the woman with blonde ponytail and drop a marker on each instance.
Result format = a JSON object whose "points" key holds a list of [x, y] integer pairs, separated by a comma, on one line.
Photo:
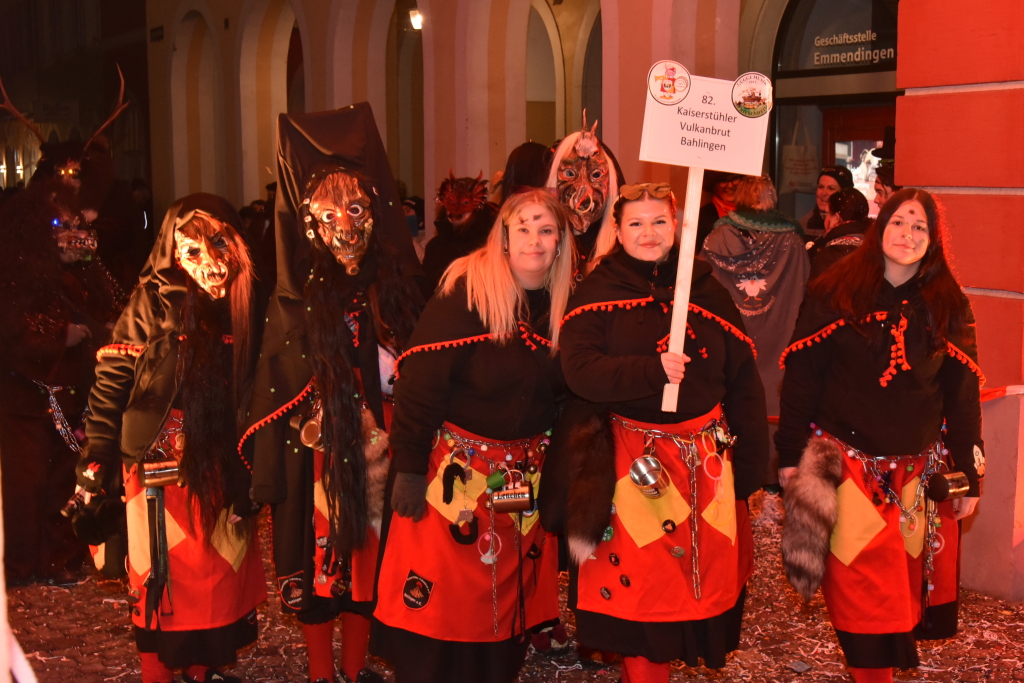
{"points": [[468, 569]]}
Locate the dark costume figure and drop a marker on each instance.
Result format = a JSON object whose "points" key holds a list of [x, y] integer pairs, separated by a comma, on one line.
{"points": [[106, 202], [838, 178], [166, 401], [464, 219], [693, 546], [873, 372], [526, 169], [340, 315], [465, 577], [586, 177], [849, 209], [722, 187], [60, 304], [758, 255]]}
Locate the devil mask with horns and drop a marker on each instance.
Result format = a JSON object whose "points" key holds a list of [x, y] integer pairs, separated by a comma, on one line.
{"points": [[461, 198], [338, 210], [581, 173]]}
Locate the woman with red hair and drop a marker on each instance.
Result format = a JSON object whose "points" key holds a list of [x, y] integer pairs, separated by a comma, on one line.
{"points": [[883, 356]]}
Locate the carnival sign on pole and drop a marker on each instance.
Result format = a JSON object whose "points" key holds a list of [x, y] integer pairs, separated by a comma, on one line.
{"points": [[702, 123]]}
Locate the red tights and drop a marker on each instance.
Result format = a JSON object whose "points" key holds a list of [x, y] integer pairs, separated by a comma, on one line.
{"points": [[643, 670], [861, 675], [154, 671], [355, 637]]}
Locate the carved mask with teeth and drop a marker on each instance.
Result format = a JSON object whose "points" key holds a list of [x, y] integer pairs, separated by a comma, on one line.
{"points": [[340, 213], [76, 240], [583, 180], [203, 248]]}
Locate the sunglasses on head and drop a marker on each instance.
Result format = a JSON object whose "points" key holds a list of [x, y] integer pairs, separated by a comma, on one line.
{"points": [[653, 190]]}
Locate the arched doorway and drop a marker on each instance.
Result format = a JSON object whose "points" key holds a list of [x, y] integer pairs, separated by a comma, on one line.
{"points": [[835, 93], [196, 110], [405, 99], [545, 76], [591, 91], [267, 36]]}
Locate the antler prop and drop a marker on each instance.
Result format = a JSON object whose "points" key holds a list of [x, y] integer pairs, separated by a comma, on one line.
{"points": [[18, 115], [120, 107]]}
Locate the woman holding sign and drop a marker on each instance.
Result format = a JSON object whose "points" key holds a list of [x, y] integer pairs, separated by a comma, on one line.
{"points": [[884, 353], [468, 568], [657, 520]]}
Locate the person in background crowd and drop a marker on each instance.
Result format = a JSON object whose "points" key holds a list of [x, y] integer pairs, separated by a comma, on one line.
{"points": [[722, 187], [758, 255], [464, 219], [526, 168], [342, 312], [885, 172], [659, 564], [466, 577], [883, 356], [60, 304], [830, 180], [845, 224], [170, 388]]}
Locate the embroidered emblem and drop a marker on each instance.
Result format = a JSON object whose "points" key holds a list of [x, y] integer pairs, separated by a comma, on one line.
{"points": [[93, 468], [417, 591], [752, 286], [979, 461], [290, 588]]}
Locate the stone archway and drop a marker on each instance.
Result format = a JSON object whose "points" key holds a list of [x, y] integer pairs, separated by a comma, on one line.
{"points": [[197, 117], [263, 89]]}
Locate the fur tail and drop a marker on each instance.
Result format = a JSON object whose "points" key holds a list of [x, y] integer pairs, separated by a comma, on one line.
{"points": [[375, 450], [811, 510], [591, 450]]}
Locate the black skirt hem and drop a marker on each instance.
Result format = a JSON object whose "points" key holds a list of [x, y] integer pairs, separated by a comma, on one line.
{"points": [[879, 650], [939, 621], [212, 647], [422, 659], [708, 639]]}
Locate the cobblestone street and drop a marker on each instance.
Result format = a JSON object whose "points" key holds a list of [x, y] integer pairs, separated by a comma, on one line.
{"points": [[83, 633]]}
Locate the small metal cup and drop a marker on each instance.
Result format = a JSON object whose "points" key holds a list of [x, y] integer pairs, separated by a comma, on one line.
{"points": [[158, 472], [647, 475], [943, 486], [516, 496], [309, 430]]}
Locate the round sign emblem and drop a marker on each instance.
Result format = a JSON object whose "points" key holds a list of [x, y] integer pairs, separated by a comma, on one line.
{"points": [[752, 95], [669, 82]]}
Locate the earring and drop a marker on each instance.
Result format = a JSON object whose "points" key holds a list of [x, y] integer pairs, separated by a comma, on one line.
{"points": [[558, 252], [504, 248]]}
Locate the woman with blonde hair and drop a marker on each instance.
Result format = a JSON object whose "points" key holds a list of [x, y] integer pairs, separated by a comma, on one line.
{"points": [[656, 515], [468, 568]]}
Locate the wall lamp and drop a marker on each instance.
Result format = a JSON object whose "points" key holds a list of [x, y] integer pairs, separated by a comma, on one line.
{"points": [[416, 18]]}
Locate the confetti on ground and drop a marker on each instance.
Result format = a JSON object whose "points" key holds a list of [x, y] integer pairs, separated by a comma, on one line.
{"points": [[83, 633]]}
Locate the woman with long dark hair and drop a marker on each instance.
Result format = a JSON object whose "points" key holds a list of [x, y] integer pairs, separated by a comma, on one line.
{"points": [[656, 512], [881, 394], [165, 410], [468, 568]]}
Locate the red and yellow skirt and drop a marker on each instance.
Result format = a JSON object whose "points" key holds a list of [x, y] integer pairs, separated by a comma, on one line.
{"points": [[500, 574], [644, 570], [211, 584], [875, 573]]}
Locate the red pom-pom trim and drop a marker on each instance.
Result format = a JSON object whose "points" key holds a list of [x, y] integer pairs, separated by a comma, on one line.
{"points": [[440, 345], [134, 350], [726, 325], [270, 418], [966, 360], [607, 306], [821, 334]]}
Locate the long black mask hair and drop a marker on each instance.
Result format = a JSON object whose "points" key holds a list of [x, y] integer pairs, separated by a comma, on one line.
{"points": [[390, 301], [212, 375]]}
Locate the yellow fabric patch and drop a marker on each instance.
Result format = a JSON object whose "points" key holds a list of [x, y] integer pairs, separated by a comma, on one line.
{"points": [[641, 516], [915, 543], [528, 522], [230, 546], [858, 522], [472, 490], [721, 511], [138, 533], [320, 498]]}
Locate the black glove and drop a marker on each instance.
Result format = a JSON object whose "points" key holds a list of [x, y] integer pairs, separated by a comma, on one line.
{"points": [[244, 506], [409, 497], [99, 520], [97, 470]]}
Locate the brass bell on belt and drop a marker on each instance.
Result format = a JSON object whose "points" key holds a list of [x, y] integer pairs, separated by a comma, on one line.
{"points": [[515, 496]]}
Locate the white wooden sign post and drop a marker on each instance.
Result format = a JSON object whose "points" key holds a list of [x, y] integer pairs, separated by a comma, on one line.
{"points": [[702, 123]]}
